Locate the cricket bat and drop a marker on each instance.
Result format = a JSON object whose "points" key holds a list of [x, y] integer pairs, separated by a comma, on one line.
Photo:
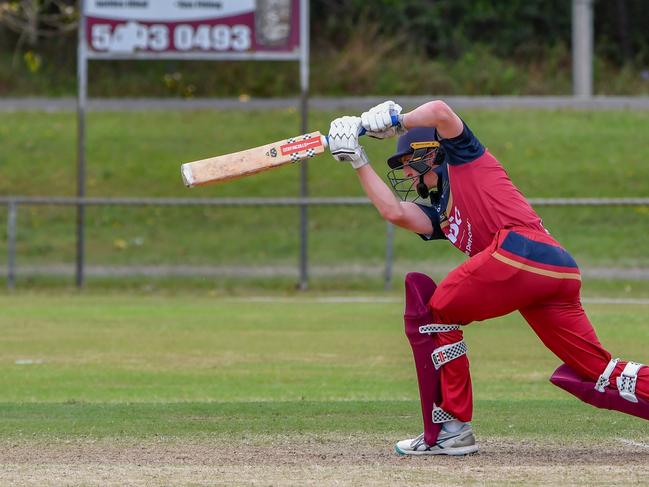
{"points": [[252, 161], [227, 167]]}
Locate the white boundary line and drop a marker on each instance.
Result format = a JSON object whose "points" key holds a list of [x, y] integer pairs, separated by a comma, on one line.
{"points": [[632, 443]]}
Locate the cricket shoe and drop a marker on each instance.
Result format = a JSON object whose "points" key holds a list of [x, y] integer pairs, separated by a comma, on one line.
{"points": [[461, 442]]}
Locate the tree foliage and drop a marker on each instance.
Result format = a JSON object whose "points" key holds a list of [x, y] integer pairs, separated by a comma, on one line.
{"points": [[514, 29], [382, 46], [35, 20]]}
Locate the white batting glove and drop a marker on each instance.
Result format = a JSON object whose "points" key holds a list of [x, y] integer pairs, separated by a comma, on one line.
{"points": [[343, 141], [377, 121]]}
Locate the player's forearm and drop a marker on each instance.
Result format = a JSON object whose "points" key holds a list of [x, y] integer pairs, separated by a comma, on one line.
{"points": [[379, 194], [435, 114]]}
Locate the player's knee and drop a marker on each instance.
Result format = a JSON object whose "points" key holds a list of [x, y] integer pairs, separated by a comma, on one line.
{"points": [[412, 330], [587, 371]]}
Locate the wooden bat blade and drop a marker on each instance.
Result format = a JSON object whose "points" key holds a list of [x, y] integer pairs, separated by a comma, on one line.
{"points": [[252, 161]]}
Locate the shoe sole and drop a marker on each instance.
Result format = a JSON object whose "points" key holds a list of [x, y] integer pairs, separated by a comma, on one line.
{"points": [[454, 452]]}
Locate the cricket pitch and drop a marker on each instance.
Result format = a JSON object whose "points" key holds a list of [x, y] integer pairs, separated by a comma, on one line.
{"points": [[316, 460]]}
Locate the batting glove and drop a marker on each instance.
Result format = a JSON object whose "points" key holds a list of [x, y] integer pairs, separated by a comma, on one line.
{"points": [[378, 120], [343, 141]]}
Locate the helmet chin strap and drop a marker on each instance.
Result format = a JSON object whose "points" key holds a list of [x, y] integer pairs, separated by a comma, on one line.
{"points": [[422, 189]]}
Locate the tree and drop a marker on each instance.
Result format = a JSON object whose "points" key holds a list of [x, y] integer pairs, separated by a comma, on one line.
{"points": [[34, 20]]}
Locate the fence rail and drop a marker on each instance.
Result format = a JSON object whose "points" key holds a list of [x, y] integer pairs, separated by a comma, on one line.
{"points": [[328, 201], [13, 202]]}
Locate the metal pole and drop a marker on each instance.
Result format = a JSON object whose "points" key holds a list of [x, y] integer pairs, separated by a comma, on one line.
{"points": [[82, 81], [11, 244], [389, 255], [582, 48], [304, 109]]}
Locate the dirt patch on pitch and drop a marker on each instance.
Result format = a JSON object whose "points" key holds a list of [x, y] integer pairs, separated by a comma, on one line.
{"points": [[315, 460]]}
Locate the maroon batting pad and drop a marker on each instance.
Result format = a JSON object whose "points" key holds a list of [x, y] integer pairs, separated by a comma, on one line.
{"points": [[568, 380], [419, 289]]}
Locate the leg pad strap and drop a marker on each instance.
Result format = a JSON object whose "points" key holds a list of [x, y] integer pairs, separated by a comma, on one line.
{"points": [[441, 416], [627, 380], [435, 328], [443, 355], [603, 380]]}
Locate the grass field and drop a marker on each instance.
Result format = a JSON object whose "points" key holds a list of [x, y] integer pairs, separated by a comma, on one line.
{"points": [[188, 389], [547, 154], [199, 382]]}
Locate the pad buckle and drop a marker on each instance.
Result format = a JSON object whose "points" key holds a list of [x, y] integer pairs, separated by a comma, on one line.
{"points": [[446, 353]]}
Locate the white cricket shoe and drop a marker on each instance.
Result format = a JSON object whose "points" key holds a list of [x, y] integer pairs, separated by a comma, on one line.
{"points": [[461, 442]]}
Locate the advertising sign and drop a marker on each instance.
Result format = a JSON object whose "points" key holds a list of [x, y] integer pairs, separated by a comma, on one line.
{"points": [[189, 30], [123, 27]]}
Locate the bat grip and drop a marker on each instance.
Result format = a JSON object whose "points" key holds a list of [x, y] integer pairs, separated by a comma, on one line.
{"points": [[396, 120]]}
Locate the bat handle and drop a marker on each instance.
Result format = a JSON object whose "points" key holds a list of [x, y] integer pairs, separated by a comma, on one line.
{"points": [[396, 120]]}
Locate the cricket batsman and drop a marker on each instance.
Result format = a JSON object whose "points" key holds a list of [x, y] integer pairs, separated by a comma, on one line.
{"points": [[451, 187]]}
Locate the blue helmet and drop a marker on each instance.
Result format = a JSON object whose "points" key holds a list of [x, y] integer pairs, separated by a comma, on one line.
{"points": [[426, 151], [413, 140]]}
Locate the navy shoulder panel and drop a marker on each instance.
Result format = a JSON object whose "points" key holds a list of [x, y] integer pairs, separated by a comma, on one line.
{"points": [[431, 213], [462, 149]]}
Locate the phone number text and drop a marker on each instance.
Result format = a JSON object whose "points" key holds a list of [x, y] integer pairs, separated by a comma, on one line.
{"points": [[134, 36]]}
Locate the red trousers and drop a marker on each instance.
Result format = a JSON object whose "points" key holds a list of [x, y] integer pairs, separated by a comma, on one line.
{"points": [[524, 270]]}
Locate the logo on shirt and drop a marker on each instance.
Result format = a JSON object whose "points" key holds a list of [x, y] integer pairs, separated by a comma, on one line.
{"points": [[454, 222], [454, 225]]}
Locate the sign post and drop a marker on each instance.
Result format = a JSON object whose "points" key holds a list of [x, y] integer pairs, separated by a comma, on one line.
{"points": [[582, 48], [216, 30]]}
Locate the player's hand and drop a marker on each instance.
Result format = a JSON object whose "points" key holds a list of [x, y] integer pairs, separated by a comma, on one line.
{"points": [[343, 141], [377, 121]]}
